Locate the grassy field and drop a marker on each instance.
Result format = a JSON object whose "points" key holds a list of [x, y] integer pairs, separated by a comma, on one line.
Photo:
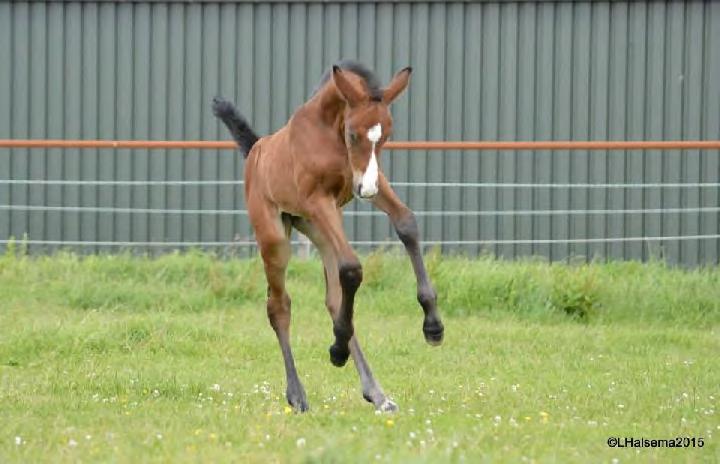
{"points": [[171, 360]]}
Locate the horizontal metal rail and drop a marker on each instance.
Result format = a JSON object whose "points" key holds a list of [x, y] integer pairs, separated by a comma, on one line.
{"points": [[241, 212], [367, 242], [174, 183], [399, 145]]}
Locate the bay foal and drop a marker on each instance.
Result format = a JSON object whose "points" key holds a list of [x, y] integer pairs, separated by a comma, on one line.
{"points": [[301, 176]]}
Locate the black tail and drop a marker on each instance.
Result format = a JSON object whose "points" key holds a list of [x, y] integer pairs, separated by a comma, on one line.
{"points": [[239, 128]]}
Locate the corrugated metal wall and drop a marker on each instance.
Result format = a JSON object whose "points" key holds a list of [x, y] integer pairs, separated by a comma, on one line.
{"points": [[506, 71]]}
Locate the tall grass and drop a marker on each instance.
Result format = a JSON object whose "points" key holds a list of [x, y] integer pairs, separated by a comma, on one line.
{"points": [[121, 358], [627, 292]]}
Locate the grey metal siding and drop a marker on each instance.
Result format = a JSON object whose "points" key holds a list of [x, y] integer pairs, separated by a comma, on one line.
{"points": [[505, 71]]}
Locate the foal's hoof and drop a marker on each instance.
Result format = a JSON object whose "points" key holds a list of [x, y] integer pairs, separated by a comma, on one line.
{"points": [[338, 355], [387, 406], [297, 402], [434, 331], [381, 403]]}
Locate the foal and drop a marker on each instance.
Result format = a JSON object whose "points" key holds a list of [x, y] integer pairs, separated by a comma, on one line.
{"points": [[301, 177]]}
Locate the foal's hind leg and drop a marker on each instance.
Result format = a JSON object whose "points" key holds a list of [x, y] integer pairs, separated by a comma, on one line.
{"points": [[273, 239], [371, 389]]}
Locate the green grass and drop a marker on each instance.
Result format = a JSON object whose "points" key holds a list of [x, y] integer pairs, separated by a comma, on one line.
{"points": [[123, 359]]}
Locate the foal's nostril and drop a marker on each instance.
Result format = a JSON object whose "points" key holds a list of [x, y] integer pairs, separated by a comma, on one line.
{"points": [[360, 191]]}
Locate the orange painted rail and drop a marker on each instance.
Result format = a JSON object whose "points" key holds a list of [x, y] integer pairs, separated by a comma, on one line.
{"points": [[559, 145], [404, 145]]}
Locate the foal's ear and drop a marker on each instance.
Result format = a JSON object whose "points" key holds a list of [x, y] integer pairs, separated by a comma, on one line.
{"points": [[397, 85], [349, 92]]}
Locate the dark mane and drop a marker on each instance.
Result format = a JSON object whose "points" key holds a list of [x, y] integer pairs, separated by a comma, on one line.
{"points": [[371, 80]]}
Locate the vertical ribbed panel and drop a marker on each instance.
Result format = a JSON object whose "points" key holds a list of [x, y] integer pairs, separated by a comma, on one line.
{"points": [[493, 71], [6, 131]]}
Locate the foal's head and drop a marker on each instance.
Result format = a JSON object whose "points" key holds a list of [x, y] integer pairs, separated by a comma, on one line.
{"points": [[368, 124]]}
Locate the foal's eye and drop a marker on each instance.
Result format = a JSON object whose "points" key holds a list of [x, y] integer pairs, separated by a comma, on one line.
{"points": [[353, 137]]}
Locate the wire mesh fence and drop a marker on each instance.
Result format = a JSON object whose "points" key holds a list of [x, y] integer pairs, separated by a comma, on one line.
{"points": [[636, 215]]}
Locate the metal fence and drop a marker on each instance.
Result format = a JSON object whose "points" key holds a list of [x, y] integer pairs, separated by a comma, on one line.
{"points": [[657, 245]]}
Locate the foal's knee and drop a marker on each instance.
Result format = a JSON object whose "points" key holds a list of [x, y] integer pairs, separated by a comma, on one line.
{"points": [[407, 229], [350, 275]]}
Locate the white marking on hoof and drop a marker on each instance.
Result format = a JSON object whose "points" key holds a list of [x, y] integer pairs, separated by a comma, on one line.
{"points": [[388, 406]]}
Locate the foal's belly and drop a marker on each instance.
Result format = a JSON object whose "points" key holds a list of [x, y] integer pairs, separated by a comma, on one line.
{"points": [[292, 202]]}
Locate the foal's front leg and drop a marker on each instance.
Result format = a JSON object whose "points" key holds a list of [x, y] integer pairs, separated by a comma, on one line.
{"points": [[406, 227], [325, 217], [371, 389]]}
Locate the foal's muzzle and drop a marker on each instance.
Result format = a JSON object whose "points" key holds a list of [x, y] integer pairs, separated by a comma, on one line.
{"points": [[365, 192]]}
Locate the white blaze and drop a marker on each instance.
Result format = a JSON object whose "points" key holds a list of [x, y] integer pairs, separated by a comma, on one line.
{"points": [[369, 185]]}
